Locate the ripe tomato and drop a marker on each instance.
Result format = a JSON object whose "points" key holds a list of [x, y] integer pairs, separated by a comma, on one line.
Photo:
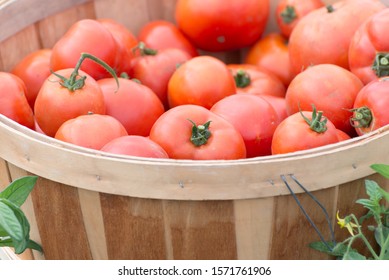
{"points": [[134, 145], [222, 25], [194, 132], [331, 88], [342, 136], [297, 133], [371, 106], [369, 48], [13, 101], [66, 94], [279, 104], [162, 34], [89, 36], [324, 35], [133, 104], [33, 69], [253, 117], [289, 12], [90, 131], [202, 80], [125, 41], [154, 68], [271, 53], [251, 79]]}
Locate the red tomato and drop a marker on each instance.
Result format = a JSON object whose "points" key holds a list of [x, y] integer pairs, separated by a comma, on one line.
{"points": [[162, 34], [289, 12], [369, 48], [251, 79], [125, 41], [85, 36], [154, 68], [331, 88], [371, 106], [133, 104], [194, 132], [342, 136], [324, 35], [134, 145], [253, 117], [56, 104], [279, 104], [202, 80], [13, 101], [33, 69], [222, 25], [271, 53], [297, 133], [90, 131]]}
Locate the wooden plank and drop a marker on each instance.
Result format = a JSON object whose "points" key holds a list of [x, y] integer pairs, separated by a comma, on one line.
{"points": [[59, 218], [16, 15], [201, 229], [94, 223], [53, 27], [5, 178], [134, 227], [292, 232], [253, 225]]}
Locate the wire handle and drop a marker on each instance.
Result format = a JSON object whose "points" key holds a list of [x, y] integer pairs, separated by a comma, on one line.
{"points": [[283, 178]]}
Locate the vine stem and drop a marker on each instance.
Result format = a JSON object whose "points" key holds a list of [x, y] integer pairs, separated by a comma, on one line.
{"points": [[364, 239]]}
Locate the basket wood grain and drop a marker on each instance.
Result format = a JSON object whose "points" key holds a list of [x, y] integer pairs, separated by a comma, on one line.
{"points": [[94, 205]]}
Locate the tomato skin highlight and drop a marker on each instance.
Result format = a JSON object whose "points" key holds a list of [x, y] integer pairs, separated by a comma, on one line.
{"points": [[253, 117], [13, 101], [135, 145], [375, 97], [173, 130], [33, 69], [202, 80], [136, 106], [85, 36], [56, 104], [331, 88], [90, 131], [294, 134], [222, 25]]}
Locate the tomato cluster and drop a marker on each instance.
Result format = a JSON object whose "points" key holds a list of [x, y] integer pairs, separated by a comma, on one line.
{"points": [[321, 78]]}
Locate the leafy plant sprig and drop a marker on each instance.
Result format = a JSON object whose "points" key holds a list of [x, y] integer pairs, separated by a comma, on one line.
{"points": [[378, 211], [14, 226]]}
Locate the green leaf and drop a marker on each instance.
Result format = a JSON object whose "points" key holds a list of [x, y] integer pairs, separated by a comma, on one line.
{"points": [[18, 190], [323, 247], [9, 221], [385, 194], [385, 234], [367, 203], [353, 255], [373, 190], [382, 169], [33, 245]]}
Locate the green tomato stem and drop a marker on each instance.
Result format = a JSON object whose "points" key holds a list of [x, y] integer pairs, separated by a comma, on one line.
{"points": [[288, 15], [144, 50], [330, 8], [242, 79], [316, 123], [363, 237], [362, 117], [381, 64], [75, 81], [200, 133]]}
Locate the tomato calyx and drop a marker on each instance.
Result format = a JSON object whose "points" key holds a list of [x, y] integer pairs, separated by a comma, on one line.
{"points": [[75, 81], [288, 15], [330, 8], [144, 50], [362, 117], [200, 133], [242, 78], [316, 123], [381, 64]]}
